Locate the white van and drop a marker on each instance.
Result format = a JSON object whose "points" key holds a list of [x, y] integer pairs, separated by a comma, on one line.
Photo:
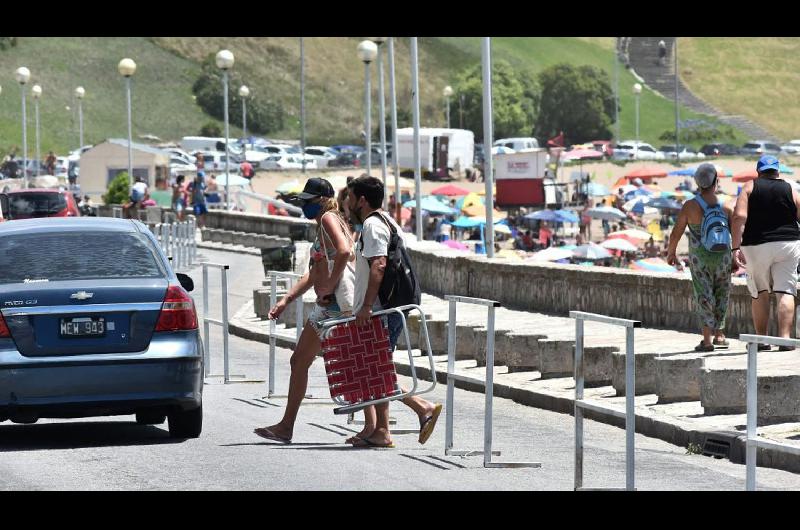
{"points": [[518, 144]]}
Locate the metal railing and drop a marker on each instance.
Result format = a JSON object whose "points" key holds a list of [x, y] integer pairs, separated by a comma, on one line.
{"points": [[488, 384], [753, 443], [291, 279], [264, 200], [349, 408], [207, 321], [178, 240], [629, 415]]}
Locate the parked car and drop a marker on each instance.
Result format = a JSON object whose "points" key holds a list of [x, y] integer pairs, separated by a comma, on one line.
{"points": [[686, 153], [517, 144], [323, 155], [628, 151], [349, 148], [40, 202], [175, 152], [719, 149], [287, 162], [345, 160], [215, 161], [178, 166], [96, 324], [604, 146], [760, 147], [792, 147]]}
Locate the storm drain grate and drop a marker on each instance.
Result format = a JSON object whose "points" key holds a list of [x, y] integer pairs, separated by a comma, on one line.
{"points": [[716, 448]]}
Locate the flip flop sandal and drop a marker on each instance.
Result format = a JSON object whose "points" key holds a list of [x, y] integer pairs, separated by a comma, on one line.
{"points": [[785, 348], [721, 344], [426, 428], [703, 348], [764, 347], [363, 443], [269, 435]]}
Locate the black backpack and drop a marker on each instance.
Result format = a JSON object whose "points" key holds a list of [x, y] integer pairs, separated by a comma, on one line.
{"points": [[400, 285]]}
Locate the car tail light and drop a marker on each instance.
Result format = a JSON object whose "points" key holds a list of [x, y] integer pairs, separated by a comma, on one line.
{"points": [[4, 331], [177, 311]]}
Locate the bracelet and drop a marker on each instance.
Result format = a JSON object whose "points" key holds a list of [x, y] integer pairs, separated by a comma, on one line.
{"points": [[734, 249]]}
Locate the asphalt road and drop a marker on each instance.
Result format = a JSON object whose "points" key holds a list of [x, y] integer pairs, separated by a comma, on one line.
{"points": [[116, 454]]}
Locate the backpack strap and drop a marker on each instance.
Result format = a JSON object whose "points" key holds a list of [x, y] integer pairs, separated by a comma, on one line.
{"points": [[703, 204], [392, 230]]}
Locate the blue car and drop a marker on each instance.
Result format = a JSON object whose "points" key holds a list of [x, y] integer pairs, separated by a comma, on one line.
{"points": [[94, 322]]}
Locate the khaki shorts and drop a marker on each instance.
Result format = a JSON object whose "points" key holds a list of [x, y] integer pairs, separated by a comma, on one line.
{"points": [[772, 267]]}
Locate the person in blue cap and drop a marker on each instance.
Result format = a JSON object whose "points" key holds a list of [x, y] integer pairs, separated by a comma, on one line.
{"points": [[766, 239]]}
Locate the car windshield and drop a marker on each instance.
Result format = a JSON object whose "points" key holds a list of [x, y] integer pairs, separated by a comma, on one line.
{"points": [[752, 146], [35, 204], [62, 256]]}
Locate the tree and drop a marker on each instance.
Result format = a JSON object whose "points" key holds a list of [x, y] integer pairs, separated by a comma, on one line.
{"points": [[211, 129], [119, 190], [515, 98], [263, 115], [576, 100]]}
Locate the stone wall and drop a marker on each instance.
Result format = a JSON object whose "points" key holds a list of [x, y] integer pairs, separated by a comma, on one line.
{"points": [[659, 301], [277, 225]]}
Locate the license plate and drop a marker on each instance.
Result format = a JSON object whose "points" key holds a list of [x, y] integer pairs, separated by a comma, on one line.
{"points": [[83, 327]]}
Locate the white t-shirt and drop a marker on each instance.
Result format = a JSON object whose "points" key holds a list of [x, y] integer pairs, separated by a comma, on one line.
{"points": [[140, 187], [375, 240]]}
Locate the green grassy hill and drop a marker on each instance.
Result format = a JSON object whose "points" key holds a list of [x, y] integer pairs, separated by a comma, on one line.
{"points": [[163, 104]]}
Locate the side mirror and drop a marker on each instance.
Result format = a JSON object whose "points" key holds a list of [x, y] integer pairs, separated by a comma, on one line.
{"points": [[4, 216], [186, 282]]}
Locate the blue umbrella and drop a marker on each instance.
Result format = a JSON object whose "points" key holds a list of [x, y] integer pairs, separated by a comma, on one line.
{"points": [[544, 215], [597, 190], [785, 169], [567, 216], [662, 203], [638, 192], [430, 204], [686, 172], [467, 222]]}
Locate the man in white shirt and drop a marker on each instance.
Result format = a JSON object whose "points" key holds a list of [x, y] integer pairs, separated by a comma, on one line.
{"points": [[365, 197]]}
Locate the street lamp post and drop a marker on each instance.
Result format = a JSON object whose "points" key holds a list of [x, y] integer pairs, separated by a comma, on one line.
{"points": [[126, 69], [382, 113], [395, 164], [79, 93], [486, 56], [244, 93], [637, 90], [447, 92], [415, 112], [22, 75], [225, 62], [303, 102], [367, 51], [461, 111], [36, 92]]}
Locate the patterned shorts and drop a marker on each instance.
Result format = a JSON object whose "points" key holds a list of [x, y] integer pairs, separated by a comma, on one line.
{"points": [[321, 314]]}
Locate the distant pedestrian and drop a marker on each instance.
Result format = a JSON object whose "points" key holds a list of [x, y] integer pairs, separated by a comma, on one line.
{"points": [[247, 170], [765, 226], [711, 269], [50, 163], [197, 189], [179, 196], [662, 53]]}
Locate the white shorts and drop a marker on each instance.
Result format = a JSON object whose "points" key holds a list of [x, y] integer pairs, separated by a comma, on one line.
{"points": [[772, 267]]}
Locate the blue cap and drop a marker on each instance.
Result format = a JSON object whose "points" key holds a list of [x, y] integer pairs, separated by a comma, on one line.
{"points": [[201, 173], [767, 162]]}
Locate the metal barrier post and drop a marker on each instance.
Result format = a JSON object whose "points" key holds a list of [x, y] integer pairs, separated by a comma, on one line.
{"points": [[225, 321], [193, 230], [206, 323], [630, 392], [488, 384], [222, 323], [173, 241], [752, 415], [273, 299]]}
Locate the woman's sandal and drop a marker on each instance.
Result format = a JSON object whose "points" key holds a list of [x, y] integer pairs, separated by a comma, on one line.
{"points": [[269, 435], [703, 348], [721, 344]]}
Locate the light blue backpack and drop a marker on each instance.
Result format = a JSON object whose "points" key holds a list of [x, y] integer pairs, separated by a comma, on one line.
{"points": [[715, 234]]}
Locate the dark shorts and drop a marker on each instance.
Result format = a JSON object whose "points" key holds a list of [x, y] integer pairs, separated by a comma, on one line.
{"points": [[395, 324], [200, 209]]}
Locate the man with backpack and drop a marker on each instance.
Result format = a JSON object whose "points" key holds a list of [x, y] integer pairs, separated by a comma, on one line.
{"points": [[709, 256], [384, 279], [765, 226]]}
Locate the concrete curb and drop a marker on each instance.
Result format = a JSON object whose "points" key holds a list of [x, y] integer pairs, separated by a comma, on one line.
{"points": [[718, 443], [238, 249]]}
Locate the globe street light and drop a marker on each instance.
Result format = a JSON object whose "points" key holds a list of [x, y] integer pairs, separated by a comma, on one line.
{"points": [[80, 93], [447, 92], [22, 75], [225, 62], [126, 69], [36, 92], [367, 51], [244, 92], [637, 90], [382, 113]]}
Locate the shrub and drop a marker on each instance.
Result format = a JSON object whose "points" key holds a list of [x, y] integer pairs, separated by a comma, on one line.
{"points": [[211, 129], [118, 191]]}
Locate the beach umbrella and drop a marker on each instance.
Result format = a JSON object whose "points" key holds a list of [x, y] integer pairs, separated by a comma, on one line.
{"points": [[646, 172], [480, 211], [450, 190], [293, 186], [456, 245], [606, 212], [685, 172], [580, 154], [591, 251], [746, 175], [552, 254], [405, 214], [597, 190], [619, 243], [638, 192], [652, 265], [224, 179], [632, 234], [643, 208], [502, 229], [663, 203], [471, 199], [683, 194], [567, 216], [468, 222], [431, 205], [785, 169], [543, 215]]}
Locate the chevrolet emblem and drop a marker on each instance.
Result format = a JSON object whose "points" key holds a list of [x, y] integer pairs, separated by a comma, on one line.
{"points": [[81, 295]]}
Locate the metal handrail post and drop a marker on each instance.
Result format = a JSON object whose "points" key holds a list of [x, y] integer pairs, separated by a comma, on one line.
{"points": [[578, 410], [273, 299], [630, 412], [206, 324], [173, 236], [193, 222], [225, 322], [752, 415], [451, 349], [489, 390]]}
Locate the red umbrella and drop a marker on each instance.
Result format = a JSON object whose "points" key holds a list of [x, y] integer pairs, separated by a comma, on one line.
{"points": [[646, 172], [450, 190], [746, 175], [577, 154]]}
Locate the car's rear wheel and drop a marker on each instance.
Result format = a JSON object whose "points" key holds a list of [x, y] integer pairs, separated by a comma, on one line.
{"points": [[150, 418], [186, 423]]}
